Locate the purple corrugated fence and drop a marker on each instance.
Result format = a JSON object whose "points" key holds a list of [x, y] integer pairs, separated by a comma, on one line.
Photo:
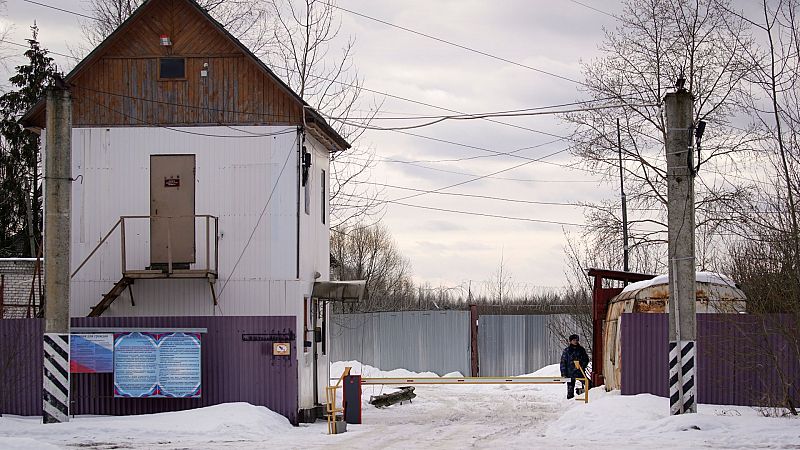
{"points": [[233, 369], [742, 359], [21, 354]]}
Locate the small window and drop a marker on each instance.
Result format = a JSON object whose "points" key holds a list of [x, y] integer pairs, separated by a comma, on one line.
{"points": [[172, 68], [323, 202]]}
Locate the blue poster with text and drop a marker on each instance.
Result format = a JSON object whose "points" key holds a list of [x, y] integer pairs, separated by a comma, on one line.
{"points": [[157, 365]]}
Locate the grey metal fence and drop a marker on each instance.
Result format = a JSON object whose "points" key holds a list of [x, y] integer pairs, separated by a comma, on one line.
{"points": [[516, 345], [420, 341], [439, 341]]}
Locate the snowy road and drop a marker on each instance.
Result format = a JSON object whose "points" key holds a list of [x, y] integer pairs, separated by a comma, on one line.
{"points": [[441, 417]]}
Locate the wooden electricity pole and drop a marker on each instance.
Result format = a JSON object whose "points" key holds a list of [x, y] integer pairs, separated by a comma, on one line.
{"points": [[58, 190], [680, 219]]}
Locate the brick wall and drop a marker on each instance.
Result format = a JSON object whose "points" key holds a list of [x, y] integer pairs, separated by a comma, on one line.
{"points": [[17, 274]]}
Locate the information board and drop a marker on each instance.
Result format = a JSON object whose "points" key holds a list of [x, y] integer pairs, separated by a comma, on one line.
{"points": [[91, 353], [157, 365]]}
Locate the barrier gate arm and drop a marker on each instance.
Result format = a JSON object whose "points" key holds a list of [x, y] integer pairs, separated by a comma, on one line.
{"points": [[463, 380], [478, 380]]}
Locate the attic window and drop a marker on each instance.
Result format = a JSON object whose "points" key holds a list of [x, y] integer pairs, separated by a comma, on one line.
{"points": [[172, 68]]}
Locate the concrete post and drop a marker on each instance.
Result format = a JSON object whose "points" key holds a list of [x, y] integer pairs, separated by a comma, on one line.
{"points": [[681, 223], [58, 189]]}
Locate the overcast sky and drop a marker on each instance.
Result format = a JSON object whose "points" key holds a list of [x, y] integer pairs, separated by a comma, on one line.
{"points": [[447, 248]]}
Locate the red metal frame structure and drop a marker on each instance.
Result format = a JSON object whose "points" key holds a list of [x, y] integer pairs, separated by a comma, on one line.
{"points": [[601, 296]]}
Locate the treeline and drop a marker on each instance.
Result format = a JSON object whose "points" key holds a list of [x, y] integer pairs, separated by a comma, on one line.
{"points": [[369, 253]]}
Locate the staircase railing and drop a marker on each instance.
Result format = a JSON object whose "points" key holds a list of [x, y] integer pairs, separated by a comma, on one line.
{"points": [[124, 265]]}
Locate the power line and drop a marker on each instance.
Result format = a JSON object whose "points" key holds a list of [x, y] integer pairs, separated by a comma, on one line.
{"points": [[483, 116], [453, 44], [486, 197], [409, 116], [479, 214], [161, 102], [534, 111], [61, 9], [468, 158], [595, 9], [469, 174], [398, 97], [28, 46], [494, 152], [484, 176], [334, 80]]}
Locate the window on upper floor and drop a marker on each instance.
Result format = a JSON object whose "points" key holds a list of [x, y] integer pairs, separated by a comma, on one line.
{"points": [[323, 196], [172, 68]]}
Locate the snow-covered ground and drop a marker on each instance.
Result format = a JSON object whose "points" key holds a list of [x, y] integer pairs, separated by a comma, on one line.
{"points": [[442, 416]]}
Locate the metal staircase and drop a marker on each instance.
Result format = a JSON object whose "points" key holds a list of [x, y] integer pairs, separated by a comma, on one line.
{"points": [[166, 271], [108, 298]]}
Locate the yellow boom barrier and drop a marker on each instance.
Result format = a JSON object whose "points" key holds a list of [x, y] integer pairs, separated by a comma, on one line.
{"points": [[330, 406], [480, 380], [585, 381]]}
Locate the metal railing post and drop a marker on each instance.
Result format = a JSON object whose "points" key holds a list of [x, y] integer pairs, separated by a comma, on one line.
{"points": [[122, 244], [208, 244], [216, 245]]}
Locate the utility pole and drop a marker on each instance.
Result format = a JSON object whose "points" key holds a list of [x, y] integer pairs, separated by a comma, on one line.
{"points": [[58, 178], [624, 204], [680, 219]]}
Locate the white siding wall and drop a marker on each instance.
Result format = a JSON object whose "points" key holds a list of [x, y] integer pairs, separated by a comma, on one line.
{"points": [[315, 257], [234, 178]]}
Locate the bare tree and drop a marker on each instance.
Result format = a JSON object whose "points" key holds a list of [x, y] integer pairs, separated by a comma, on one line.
{"points": [[369, 253], [500, 285], [656, 43], [5, 29], [777, 114], [304, 33], [249, 21]]}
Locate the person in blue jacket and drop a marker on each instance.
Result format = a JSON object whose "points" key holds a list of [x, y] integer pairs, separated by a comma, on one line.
{"points": [[573, 352]]}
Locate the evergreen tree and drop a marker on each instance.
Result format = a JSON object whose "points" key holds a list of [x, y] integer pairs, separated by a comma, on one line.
{"points": [[20, 177]]}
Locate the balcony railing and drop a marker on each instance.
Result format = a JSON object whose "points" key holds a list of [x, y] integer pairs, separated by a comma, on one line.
{"points": [[207, 268]]}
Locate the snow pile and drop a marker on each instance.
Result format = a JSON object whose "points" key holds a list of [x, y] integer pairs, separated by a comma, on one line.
{"points": [[441, 416], [701, 277], [367, 371], [229, 421], [644, 420]]}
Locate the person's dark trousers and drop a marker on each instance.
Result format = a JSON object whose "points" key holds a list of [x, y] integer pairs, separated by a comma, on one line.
{"points": [[571, 388]]}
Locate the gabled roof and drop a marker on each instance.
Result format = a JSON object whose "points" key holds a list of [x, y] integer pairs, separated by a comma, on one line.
{"points": [[312, 117]]}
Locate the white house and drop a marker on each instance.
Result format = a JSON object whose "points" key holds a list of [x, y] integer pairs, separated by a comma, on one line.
{"points": [[201, 182]]}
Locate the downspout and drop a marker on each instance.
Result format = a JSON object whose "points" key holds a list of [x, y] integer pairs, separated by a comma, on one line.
{"points": [[297, 192]]}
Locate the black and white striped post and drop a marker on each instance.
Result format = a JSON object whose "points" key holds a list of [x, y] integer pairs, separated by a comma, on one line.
{"points": [[57, 192], [681, 377], [681, 222], [56, 378]]}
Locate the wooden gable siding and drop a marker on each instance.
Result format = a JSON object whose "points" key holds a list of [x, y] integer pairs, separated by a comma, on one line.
{"points": [[122, 88]]}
